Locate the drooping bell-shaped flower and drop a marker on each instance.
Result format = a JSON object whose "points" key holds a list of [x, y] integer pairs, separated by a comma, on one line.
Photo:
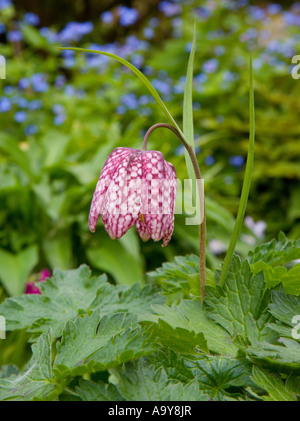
{"points": [[135, 187]]}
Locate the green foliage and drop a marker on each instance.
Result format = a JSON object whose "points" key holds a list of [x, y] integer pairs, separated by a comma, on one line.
{"points": [[239, 346]]}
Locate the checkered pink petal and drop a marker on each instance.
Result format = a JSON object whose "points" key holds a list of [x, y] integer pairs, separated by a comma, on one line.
{"points": [[135, 188], [110, 166]]}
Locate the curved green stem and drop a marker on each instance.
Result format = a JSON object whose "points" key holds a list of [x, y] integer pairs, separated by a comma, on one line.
{"points": [[191, 152], [246, 183]]}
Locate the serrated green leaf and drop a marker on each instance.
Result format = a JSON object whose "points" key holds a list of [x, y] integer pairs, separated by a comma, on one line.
{"points": [[140, 381], [182, 275], [95, 344], [91, 391], [284, 358], [273, 384], [190, 317], [216, 375], [70, 293], [274, 253], [284, 308], [36, 382], [240, 306]]}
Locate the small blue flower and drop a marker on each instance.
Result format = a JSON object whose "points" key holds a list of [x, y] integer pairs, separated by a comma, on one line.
{"points": [[274, 9], [148, 32], [130, 101], [5, 104], [50, 35], [236, 161], [210, 66], [153, 22], [59, 119], [58, 109], [2, 28], [35, 104], [107, 17], [4, 4], [162, 86], [121, 109], [24, 83], [219, 50], [209, 160], [127, 15], [31, 129], [39, 82], [31, 19], [74, 31], [169, 9], [60, 80], [14, 36], [179, 151], [9, 90], [21, 102], [20, 116]]}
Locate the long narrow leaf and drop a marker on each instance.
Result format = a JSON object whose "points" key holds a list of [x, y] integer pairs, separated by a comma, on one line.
{"points": [[188, 122], [141, 76], [246, 184]]}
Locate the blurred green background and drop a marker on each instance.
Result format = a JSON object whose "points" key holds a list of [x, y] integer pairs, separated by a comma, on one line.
{"points": [[61, 114]]}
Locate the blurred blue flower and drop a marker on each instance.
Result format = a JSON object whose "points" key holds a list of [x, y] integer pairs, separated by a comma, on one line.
{"points": [[2, 28], [168, 8], [229, 76], [74, 31], [162, 86], [31, 129], [144, 99], [130, 101], [70, 90], [21, 102], [60, 80], [219, 50], [153, 22], [210, 66], [121, 109], [257, 13], [274, 8], [137, 60], [20, 116], [24, 83], [4, 4], [148, 32], [5, 104], [127, 15], [49, 34], [236, 161], [107, 17], [58, 109], [203, 12], [210, 160], [59, 119], [9, 90], [179, 151], [31, 19], [35, 104], [39, 82], [179, 87], [14, 36], [200, 78]]}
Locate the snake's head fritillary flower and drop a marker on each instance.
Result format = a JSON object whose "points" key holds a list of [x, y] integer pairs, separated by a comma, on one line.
{"points": [[135, 187]]}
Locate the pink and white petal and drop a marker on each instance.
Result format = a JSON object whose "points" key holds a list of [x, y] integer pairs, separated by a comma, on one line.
{"points": [[122, 200], [142, 229], [104, 182]]}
